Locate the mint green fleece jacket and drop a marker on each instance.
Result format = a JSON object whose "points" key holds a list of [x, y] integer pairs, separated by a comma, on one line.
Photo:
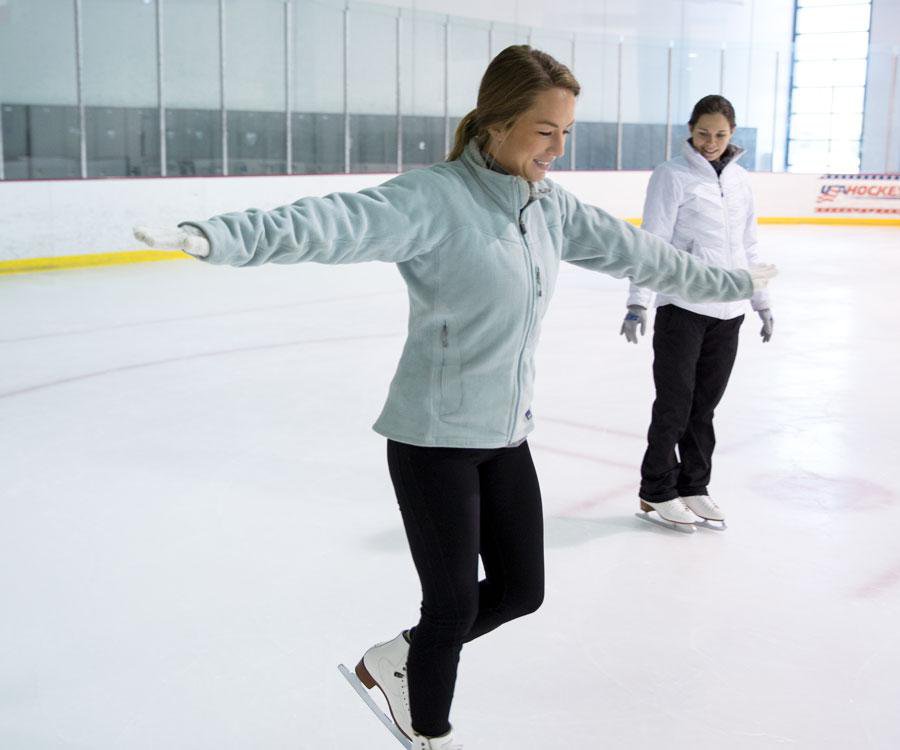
{"points": [[480, 253]]}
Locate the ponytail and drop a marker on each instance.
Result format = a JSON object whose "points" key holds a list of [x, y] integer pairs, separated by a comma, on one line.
{"points": [[465, 132]]}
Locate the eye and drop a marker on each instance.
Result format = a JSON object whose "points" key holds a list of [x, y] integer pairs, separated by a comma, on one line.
{"points": [[544, 132], [566, 132]]}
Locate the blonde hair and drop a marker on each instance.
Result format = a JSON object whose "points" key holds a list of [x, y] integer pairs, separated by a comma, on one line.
{"points": [[508, 88]]}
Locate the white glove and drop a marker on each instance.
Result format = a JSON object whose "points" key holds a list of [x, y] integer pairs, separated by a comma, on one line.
{"points": [[768, 324], [188, 239], [760, 275], [636, 316]]}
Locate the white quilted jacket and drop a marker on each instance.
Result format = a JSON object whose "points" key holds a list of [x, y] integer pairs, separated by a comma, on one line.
{"points": [[710, 216]]}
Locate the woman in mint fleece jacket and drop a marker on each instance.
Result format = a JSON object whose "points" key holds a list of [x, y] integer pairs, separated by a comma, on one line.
{"points": [[478, 240]]}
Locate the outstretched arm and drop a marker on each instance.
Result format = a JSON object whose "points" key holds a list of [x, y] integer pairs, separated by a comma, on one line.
{"points": [[595, 240], [391, 222]]}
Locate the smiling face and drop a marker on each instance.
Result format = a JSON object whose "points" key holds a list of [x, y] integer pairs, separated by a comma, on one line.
{"points": [[711, 135], [537, 137]]}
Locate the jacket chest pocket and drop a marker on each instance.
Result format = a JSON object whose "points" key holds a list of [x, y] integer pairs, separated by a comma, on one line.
{"points": [[451, 383]]}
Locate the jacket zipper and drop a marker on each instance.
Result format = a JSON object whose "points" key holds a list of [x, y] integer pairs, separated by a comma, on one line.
{"points": [[728, 248], [529, 324]]}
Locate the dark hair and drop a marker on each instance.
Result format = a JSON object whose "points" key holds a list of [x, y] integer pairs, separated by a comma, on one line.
{"points": [[510, 85], [711, 105]]}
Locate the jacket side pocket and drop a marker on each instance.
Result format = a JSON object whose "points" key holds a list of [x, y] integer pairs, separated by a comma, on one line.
{"points": [[451, 383]]}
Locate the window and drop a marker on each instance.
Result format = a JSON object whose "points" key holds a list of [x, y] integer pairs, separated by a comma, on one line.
{"points": [[828, 85]]}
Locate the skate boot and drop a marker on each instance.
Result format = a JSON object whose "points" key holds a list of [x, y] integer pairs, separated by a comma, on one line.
{"points": [[704, 507], [673, 511], [384, 666], [445, 742]]}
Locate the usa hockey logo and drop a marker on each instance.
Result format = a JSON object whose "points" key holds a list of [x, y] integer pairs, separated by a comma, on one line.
{"points": [[859, 193]]}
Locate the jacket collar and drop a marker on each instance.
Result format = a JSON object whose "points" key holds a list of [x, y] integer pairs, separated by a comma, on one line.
{"points": [[697, 161], [508, 190]]}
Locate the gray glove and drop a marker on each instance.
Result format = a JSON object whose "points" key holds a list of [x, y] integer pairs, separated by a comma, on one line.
{"points": [[768, 324], [637, 316]]}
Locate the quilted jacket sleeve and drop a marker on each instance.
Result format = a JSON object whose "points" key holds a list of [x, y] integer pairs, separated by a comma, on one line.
{"points": [[760, 299], [661, 204]]}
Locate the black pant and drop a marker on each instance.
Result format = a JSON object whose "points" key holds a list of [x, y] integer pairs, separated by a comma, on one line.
{"points": [[693, 357], [456, 504]]}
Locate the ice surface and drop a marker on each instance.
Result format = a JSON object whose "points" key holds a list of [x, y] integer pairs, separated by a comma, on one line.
{"points": [[197, 524]]}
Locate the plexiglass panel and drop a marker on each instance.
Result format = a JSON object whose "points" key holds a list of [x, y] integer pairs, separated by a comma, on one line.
{"points": [[255, 86], [192, 91], [697, 74], [373, 88], [318, 87], [468, 61], [422, 54], [119, 54], [644, 77], [37, 90], [597, 70]]}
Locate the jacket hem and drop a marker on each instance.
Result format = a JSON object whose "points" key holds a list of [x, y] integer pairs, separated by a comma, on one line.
{"points": [[447, 442]]}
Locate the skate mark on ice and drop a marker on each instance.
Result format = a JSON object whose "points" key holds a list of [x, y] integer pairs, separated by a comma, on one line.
{"points": [[593, 428], [878, 585], [190, 358], [828, 493], [186, 318], [581, 456]]}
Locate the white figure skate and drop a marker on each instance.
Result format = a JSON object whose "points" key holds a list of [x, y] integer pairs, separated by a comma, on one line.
{"points": [[705, 508], [672, 514]]}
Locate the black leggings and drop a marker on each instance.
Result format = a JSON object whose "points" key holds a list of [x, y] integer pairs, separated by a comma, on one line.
{"points": [[458, 503]]}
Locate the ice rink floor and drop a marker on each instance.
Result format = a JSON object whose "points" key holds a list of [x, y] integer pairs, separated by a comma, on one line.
{"points": [[197, 524]]}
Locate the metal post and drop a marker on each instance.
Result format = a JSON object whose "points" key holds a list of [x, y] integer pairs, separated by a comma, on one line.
{"points": [[669, 101], [446, 84], [2, 152], [288, 86], [722, 71], [530, 37], [572, 134], [2, 157], [347, 88], [619, 111], [775, 107], [222, 102], [491, 42], [161, 87], [79, 91], [890, 120], [398, 35]]}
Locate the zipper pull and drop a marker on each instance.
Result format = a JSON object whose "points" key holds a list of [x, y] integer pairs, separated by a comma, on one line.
{"points": [[540, 290], [445, 336]]}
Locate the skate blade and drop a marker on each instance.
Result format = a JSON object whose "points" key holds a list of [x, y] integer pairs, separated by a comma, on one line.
{"points": [[712, 525], [684, 528], [373, 706]]}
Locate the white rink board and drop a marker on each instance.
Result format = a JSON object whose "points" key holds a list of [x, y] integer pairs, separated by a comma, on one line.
{"points": [[72, 217]]}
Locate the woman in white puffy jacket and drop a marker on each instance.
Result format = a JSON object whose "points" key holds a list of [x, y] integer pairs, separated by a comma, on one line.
{"points": [[701, 202]]}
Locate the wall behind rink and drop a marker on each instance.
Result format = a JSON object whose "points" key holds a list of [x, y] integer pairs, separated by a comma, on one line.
{"points": [[63, 219]]}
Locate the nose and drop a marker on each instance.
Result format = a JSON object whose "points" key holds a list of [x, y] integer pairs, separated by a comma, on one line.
{"points": [[558, 146]]}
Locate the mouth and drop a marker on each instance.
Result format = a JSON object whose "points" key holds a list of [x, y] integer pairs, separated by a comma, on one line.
{"points": [[543, 165]]}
